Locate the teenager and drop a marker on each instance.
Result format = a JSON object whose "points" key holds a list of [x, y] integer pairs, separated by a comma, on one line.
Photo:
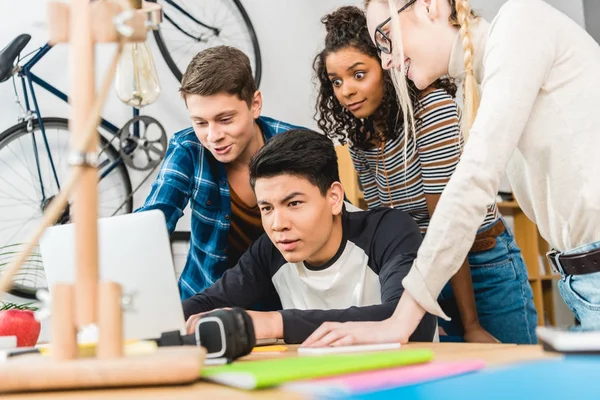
{"points": [[357, 104], [206, 165], [324, 262], [537, 120]]}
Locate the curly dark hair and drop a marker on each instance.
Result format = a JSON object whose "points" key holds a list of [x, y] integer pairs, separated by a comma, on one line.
{"points": [[347, 27]]}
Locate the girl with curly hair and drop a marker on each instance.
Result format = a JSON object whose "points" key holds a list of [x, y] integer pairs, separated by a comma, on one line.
{"points": [[409, 168]]}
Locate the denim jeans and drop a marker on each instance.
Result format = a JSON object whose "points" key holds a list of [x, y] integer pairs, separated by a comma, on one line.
{"points": [[503, 295], [582, 293]]}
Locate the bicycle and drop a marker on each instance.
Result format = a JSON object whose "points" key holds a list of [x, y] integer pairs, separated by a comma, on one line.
{"points": [[33, 162], [189, 27], [181, 35]]}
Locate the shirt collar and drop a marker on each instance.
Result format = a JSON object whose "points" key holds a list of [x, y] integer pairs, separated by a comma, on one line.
{"points": [[266, 129]]}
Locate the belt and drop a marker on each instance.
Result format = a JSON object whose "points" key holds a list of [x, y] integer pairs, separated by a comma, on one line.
{"points": [[574, 264], [486, 240]]}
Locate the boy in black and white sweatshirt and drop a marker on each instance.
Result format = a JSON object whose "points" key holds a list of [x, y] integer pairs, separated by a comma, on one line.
{"points": [[326, 264]]}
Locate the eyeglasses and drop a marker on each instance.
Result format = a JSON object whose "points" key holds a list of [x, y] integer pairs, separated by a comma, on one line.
{"points": [[382, 40]]}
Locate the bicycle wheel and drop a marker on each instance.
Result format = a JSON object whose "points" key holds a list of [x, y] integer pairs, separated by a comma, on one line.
{"points": [[191, 26], [25, 191]]}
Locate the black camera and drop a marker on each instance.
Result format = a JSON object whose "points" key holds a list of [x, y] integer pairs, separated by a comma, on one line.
{"points": [[224, 333]]}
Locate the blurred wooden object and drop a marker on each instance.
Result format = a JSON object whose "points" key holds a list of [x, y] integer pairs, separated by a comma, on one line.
{"points": [[60, 15], [167, 366], [64, 328], [84, 211], [110, 321], [75, 306]]}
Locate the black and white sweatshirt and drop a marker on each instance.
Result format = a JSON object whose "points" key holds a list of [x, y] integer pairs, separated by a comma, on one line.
{"points": [[362, 282]]}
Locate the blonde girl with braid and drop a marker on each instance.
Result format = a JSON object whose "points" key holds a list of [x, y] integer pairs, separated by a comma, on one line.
{"points": [[532, 111], [357, 105]]}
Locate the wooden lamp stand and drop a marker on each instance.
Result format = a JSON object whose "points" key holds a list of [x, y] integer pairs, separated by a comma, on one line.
{"points": [[84, 23]]}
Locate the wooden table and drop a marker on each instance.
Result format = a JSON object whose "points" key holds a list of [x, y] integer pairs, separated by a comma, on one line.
{"points": [[492, 354]]}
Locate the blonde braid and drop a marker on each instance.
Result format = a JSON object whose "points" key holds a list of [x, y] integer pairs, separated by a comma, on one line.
{"points": [[470, 87], [399, 79]]}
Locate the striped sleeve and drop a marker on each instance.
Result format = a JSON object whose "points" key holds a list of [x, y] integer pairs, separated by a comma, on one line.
{"points": [[366, 177], [439, 141]]}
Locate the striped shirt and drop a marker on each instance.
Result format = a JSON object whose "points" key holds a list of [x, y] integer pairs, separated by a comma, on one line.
{"points": [[390, 179]]}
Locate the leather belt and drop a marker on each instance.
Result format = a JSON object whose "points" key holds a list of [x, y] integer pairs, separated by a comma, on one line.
{"points": [[574, 264], [486, 240]]}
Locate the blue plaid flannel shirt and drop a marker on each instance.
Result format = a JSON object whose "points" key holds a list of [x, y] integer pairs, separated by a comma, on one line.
{"points": [[190, 173]]}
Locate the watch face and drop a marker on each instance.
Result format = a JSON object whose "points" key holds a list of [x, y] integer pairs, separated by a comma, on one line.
{"points": [[210, 334]]}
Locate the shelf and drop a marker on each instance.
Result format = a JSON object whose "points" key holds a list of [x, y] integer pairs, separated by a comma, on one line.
{"points": [[508, 204], [550, 277], [544, 278]]}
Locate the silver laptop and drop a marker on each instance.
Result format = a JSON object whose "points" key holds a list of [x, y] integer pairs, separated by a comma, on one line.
{"points": [[134, 251]]}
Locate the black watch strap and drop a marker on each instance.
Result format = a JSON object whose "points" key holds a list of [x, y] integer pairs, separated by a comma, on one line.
{"points": [[175, 338]]}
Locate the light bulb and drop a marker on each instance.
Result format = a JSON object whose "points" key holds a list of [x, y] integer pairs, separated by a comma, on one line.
{"points": [[136, 80]]}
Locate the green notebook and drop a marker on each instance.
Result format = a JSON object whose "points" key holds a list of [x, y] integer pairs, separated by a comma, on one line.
{"points": [[267, 373]]}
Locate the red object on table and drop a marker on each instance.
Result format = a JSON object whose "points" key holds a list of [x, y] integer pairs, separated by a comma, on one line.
{"points": [[22, 324]]}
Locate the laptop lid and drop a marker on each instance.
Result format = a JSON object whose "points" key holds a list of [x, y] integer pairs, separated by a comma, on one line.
{"points": [[134, 251]]}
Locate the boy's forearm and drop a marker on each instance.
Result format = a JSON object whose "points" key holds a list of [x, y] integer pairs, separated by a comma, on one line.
{"points": [[267, 325], [299, 324]]}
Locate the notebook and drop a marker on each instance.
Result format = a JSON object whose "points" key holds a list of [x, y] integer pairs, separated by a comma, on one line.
{"points": [[575, 377], [565, 341], [319, 351], [384, 379], [268, 373]]}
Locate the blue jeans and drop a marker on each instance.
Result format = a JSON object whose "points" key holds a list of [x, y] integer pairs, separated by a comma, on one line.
{"points": [[582, 293], [503, 295]]}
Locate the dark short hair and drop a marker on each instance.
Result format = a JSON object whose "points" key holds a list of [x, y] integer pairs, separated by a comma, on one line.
{"points": [[220, 69], [298, 152]]}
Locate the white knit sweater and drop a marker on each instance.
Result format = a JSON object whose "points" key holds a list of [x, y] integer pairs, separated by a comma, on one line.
{"points": [[539, 121]]}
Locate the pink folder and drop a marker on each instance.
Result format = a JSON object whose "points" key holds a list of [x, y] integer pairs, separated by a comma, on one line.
{"points": [[386, 378]]}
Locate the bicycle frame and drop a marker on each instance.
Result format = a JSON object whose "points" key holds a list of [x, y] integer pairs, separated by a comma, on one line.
{"points": [[189, 16], [28, 78]]}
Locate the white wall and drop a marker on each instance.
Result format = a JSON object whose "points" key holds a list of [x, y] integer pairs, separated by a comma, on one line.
{"points": [[572, 8]]}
